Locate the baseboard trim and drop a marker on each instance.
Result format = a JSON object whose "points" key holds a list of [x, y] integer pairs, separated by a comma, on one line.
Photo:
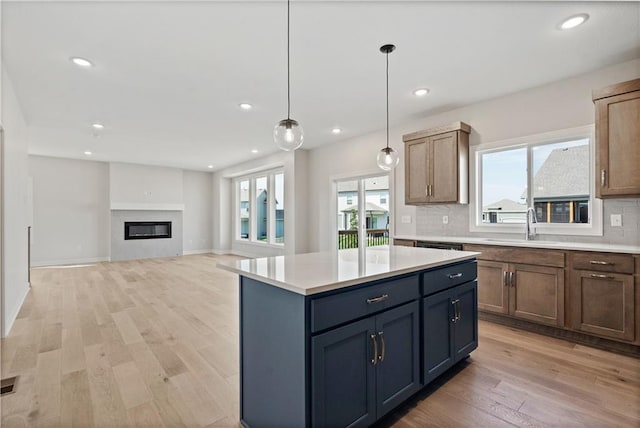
{"points": [[191, 252], [12, 318], [560, 333], [70, 262]]}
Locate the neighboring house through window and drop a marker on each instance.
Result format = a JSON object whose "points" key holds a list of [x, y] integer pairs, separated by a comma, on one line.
{"points": [[260, 215]]}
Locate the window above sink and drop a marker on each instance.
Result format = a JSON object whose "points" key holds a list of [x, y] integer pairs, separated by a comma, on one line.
{"points": [[551, 172]]}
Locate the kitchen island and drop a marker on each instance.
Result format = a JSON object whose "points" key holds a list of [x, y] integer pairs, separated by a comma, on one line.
{"points": [[341, 338]]}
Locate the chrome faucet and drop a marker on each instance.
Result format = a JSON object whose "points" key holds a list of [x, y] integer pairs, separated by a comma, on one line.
{"points": [[531, 220]]}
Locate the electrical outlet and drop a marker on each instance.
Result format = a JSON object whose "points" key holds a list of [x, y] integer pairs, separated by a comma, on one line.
{"points": [[406, 219], [616, 220], [445, 219]]}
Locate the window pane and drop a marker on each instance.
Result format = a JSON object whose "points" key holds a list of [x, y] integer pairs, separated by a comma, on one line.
{"points": [[504, 186], [561, 181], [261, 208], [279, 214], [347, 214], [243, 190], [376, 190]]}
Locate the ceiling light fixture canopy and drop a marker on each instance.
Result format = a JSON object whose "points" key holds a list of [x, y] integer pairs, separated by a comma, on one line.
{"points": [[288, 134], [388, 158]]}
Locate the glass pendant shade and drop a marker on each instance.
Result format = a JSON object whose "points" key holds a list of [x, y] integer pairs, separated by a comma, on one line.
{"points": [[288, 135], [388, 159]]}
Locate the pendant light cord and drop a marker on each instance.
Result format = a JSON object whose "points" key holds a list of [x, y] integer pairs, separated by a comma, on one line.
{"points": [[288, 69], [387, 55]]}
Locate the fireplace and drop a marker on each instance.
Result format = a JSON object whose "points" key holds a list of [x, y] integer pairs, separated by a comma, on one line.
{"points": [[147, 229]]}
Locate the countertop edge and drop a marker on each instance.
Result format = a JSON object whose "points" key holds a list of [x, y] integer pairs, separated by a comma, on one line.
{"points": [[469, 255]]}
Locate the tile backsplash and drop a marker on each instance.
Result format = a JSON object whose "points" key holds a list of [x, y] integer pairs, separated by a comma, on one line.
{"points": [[429, 223]]}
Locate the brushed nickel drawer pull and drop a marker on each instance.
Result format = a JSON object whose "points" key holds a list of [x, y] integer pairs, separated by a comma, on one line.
{"points": [[384, 347], [595, 275], [603, 177], [511, 279], [378, 299], [504, 278], [455, 275], [600, 262], [374, 361]]}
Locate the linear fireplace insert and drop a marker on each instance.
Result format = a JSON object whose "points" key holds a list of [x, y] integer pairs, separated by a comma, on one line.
{"points": [[147, 229]]}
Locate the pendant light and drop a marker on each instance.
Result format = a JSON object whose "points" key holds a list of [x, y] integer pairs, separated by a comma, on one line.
{"points": [[288, 134], [387, 157]]}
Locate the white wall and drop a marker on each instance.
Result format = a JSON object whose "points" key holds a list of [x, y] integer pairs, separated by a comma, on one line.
{"points": [[71, 211], [14, 206], [197, 217], [295, 197], [141, 186], [563, 104]]}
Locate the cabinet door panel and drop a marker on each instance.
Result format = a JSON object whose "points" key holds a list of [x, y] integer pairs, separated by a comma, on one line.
{"points": [[537, 294], [466, 326], [343, 376], [416, 171], [438, 334], [398, 370], [604, 304], [493, 294], [444, 167], [618, 131]]}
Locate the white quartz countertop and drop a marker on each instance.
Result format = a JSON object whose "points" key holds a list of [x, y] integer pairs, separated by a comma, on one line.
{"points": [[314, 273], [556, 245]]}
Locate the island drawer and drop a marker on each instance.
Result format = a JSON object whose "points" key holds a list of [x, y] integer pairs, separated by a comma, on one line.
{"points": [[620, 263], [345, 306], [448, 276]]}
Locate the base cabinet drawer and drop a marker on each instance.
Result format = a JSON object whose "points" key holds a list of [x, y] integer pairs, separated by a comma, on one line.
{"points": [[363, 370], [603, 304]]}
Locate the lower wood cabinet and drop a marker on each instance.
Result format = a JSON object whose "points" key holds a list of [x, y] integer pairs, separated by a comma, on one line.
{"points": [[450, 328], [363, 370], [531, 292], [603, 304]]}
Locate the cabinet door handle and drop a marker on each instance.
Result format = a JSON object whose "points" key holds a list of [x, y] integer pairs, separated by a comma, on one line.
{"points": [[595, 275], [374, 360], [455, 275], [603, 177], [458, 309], [600, 262], [456, 314], [378, 299], [384, 347], [426, 190], [504, 278], [512, 281], [430, 189]]}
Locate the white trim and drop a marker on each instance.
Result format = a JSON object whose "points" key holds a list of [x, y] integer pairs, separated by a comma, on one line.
{"points": [[221, 252], [9, 320], [126, 206], [594, 228], [70, 262], [192, 252]]}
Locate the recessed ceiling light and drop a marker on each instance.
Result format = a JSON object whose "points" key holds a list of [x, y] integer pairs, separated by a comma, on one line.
{"points": [[336, 130], [246, 106], [210, 166], [97, 125], [81, 62], [421, 92], [88, 153], [254, 151], [574, 21]]}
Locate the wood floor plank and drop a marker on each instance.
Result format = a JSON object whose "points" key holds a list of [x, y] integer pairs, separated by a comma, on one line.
{"points": [[154, 343]]}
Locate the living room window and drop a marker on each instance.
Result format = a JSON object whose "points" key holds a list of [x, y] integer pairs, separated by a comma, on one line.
{"points": [[552, 172], [260, 207]]}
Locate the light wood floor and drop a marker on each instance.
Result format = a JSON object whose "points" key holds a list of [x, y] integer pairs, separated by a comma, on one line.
{"points": [[155, 343]]}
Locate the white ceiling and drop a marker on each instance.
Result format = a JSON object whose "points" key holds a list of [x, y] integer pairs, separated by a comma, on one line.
{"points": [[169, 76]]}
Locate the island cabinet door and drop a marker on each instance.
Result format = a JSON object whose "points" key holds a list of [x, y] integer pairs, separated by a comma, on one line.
{"points": [[465, 315], [398, 367], [343, 375], [438, 316]]}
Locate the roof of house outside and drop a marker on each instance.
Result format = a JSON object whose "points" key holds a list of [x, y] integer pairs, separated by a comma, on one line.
{"points": [[506, 205], [565, 173], [369, 207]]}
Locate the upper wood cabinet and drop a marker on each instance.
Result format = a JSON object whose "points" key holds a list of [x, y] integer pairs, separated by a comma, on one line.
{"points": [[437, 165], [618, 140]]}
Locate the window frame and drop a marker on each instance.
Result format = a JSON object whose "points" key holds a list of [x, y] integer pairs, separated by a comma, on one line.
{"points": [[271, 206], [593, 228]]}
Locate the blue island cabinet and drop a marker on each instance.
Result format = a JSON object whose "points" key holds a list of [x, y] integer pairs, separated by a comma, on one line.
{"points": [[347, 357]]}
